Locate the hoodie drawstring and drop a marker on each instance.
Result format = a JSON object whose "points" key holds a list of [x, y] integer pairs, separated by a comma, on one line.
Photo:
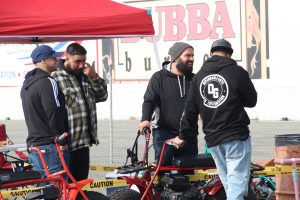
{"points": [[183, 85], [180, 88]]}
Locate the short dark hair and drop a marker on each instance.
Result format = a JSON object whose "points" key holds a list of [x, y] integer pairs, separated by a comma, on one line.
{"points": [[76, 49], [223, 49]]}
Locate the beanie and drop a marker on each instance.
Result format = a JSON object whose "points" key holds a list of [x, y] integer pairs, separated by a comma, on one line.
{"points": [[176, 50]]}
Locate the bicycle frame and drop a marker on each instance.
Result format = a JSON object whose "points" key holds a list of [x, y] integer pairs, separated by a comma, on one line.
{"points": [[147, 194], [145, 182], [69, 191]]}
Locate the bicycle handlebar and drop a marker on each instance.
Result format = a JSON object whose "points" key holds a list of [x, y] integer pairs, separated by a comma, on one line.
{"points": [[256, 167], [170, 142], [61, 140]]}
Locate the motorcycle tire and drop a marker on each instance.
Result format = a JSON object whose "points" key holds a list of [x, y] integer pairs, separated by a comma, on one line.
{"points": [[92, 195], [221, 195], [125, 194]]}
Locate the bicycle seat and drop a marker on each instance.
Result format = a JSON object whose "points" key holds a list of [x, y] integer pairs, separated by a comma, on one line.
{"points": [[9, 177], [199, 160]]}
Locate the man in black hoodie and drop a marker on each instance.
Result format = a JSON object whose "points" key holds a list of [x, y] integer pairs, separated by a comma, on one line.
{"points": [[43, 108], [219, 92], [165, 97]]}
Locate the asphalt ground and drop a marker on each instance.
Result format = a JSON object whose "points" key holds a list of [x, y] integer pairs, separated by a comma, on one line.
{"points": [[263, 135]]}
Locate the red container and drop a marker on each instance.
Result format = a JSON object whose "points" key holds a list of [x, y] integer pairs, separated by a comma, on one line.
{"points": [[2, 132]]}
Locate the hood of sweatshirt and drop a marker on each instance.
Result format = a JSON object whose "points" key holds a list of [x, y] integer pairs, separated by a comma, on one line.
{"points": [[216, 63], [182, 87], [32, 76]]}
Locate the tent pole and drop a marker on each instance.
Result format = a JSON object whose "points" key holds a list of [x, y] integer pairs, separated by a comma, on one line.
{"points": [[111, 116], [156, 53]]}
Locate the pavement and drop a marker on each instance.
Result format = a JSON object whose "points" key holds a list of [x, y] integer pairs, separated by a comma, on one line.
{"points": [[263, 135]]}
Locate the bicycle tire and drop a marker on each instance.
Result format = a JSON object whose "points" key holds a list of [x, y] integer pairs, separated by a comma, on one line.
{"points": [[221, 195], [92, 195], [124, 194]]}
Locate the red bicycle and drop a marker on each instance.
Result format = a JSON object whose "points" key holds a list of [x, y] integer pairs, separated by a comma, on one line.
{"points": [[59, 188]]}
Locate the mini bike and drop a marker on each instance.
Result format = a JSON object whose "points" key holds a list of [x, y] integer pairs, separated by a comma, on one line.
{"points": [[173, 185], [59, 187]]}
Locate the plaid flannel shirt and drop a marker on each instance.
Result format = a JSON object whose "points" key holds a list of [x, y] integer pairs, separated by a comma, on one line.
{"points": [[95, 91]]}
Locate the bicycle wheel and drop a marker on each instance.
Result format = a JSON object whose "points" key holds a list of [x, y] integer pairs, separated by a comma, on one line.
{"points": [[221, 195], [125, 194], [92, 195], [251, 195]]}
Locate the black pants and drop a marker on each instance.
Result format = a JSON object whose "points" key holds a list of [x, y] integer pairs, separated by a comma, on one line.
{"points": [[160, 135], [79, 163]]}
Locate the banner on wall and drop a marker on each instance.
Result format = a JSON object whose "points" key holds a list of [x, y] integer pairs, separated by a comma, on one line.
{"points": [[198, 22], [16, 60]]}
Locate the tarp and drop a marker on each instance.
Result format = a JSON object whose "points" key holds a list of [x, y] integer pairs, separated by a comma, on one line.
{"points": [[28, 21]]}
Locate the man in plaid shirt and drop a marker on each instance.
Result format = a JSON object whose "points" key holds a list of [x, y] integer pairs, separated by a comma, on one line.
{"points": [[82, 88]]}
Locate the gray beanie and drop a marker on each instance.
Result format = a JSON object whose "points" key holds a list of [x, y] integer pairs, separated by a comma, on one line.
{"points": [[176, 50]]}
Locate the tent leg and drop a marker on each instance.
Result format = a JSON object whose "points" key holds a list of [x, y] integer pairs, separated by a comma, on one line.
{"points": [[156, 53], [111, 116]]}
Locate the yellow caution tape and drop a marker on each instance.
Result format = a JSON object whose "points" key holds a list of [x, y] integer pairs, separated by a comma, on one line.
{"points": [[269, 171], [97, 184], [285, 169], [109, 183], [102, 168], [17, 193]]}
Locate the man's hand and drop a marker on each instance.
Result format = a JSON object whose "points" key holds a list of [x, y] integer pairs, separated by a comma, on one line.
{"points": [[89, 70], [142, 125], [178, 142]]}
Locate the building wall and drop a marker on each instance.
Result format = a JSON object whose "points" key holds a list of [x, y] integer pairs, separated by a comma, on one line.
{"points": [[134, 61]]}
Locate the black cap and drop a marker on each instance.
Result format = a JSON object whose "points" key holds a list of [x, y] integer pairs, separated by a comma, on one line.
{"points": [[221, 44]]}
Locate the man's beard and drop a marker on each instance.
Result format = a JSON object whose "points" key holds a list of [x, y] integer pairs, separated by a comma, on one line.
{"points": [[184, 67], [76, 73]]}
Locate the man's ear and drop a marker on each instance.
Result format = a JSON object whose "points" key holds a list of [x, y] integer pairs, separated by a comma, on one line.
{"points": [[67, 57]]}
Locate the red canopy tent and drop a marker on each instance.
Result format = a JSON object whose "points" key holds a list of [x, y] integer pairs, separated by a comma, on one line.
{"points": [[38, 21], [30, 21]]}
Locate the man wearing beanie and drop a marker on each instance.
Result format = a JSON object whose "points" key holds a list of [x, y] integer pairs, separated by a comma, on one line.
{"points": [[219, 93], [44, 109], [165, 98]]}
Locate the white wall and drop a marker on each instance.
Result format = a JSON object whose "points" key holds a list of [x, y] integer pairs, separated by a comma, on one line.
{"points": [[279, 96]]}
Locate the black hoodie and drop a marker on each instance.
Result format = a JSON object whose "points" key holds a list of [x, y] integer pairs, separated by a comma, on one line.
{"points": [[43, 108], [166, 94], [219, 92]]}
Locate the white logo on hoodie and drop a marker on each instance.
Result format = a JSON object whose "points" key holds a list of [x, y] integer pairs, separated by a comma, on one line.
{"points": [[214, 90]]}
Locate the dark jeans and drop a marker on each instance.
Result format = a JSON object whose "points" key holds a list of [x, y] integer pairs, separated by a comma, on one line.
{"points": [[79, 163], [160, 135], [51, 157]]}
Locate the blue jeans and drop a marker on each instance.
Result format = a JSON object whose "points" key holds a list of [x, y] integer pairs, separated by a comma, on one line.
{"points": [[51, 157], [160, 135], [233, 161]]}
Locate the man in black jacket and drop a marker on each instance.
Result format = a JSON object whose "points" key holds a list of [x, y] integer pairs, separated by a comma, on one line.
{"points": [[43, 108], [219, 92], [165, 97]]}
